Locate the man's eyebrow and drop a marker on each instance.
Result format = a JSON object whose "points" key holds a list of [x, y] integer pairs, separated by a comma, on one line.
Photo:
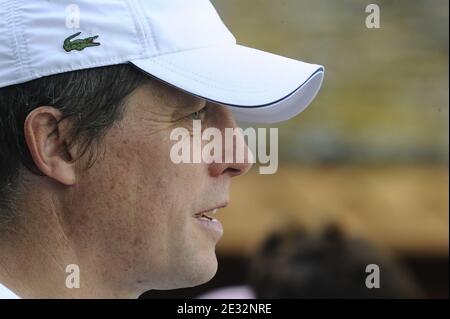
{"points": [[179, 103], [188, 105]]}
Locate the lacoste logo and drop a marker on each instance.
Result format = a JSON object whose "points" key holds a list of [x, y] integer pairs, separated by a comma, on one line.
{"points": [[79, 44]]}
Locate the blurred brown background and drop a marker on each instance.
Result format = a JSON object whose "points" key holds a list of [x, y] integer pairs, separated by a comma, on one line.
{"points": [[371, 153]]}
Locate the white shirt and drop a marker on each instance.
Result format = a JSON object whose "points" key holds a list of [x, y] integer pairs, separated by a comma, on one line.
{"points": [[233, 292], [5, 293]]}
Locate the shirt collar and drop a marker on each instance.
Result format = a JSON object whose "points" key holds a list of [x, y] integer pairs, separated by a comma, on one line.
{"points": [[5, 293]]}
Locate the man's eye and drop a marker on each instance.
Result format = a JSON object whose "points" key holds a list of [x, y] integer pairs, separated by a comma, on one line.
{"points": [[199, 115]]}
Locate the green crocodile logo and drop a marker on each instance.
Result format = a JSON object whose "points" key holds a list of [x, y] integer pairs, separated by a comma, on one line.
{"points": [[79, 44]]}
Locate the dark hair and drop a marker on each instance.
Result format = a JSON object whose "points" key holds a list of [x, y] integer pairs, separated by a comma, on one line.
{"points": [[93, 99], [295, 264]]}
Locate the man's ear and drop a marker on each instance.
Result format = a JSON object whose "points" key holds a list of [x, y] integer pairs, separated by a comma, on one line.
{"points": [[47, 142]]}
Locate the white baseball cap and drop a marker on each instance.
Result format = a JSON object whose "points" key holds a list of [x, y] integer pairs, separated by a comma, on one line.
{"points": [[181, 42]]}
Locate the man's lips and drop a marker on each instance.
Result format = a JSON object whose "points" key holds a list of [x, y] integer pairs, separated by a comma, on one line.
{"points": [[208, 213]]}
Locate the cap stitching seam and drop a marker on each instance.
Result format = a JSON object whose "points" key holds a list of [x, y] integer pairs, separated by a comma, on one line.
{"points": [[136, 25], [16, 48], [203, 79], [203, 82], [23, 48], [149, 26], [209, 45]]}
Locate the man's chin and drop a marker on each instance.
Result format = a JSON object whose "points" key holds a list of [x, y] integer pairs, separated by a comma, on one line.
{"points": [[208, 274], [203, 271]]}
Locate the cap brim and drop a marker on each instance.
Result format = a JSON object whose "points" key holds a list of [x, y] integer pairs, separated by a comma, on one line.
{"points": [[256, 85]]}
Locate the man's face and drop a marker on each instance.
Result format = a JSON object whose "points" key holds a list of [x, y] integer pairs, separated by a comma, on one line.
{"points": [[132, 214]]}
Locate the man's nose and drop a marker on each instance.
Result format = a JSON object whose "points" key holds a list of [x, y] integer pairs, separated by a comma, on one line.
{"points": [[237, 159]]}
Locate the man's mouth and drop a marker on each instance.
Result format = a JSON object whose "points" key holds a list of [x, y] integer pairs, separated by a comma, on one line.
{"points": [[207, 215], [210, 224]]}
